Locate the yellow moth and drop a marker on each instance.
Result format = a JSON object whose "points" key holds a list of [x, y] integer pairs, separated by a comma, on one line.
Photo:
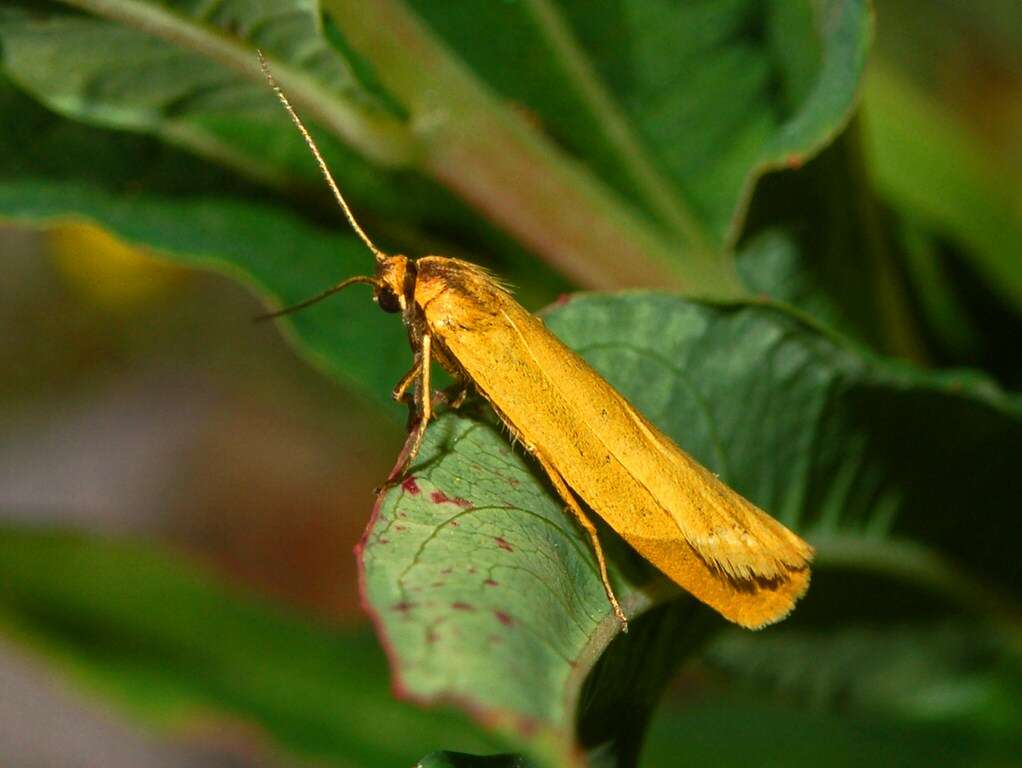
{"points": [[595, 448]]}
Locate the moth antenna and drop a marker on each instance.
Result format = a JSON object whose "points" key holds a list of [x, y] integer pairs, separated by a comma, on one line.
{"points": [[380, 255], [364, 279]]}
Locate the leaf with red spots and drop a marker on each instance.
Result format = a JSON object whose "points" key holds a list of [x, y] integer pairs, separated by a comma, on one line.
{"points": [[501, 611], [509, 595]]}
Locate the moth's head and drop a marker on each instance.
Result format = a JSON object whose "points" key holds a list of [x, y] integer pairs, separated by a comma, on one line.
{"points": [[396, 283]]}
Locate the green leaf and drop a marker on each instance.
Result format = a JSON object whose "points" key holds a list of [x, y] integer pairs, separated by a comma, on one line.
{"points": [[214, 60], [454, 559], [729, 730], [162, 80], [772, 265], [487, 594], [215, 111], [677, 105], [170, 645], [819, 241], [956, 673], [192, 84], [68, 172], [653, 111], [673, 111]]}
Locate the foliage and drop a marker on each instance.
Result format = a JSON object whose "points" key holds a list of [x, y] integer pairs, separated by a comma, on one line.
{"points": [[565, 148]]}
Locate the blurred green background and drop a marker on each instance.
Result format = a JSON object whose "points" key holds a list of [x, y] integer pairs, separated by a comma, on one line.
{"points": [[152, 436]]}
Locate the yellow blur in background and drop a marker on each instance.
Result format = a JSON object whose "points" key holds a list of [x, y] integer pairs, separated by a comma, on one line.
{"points": [[107, 271]]}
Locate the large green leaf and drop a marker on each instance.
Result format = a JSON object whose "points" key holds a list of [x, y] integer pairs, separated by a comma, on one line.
{"points": [[680, 105], [953, 672], [652, 109], [946, 692], [602, 59], [487, 594], [214, 110], [193, 68], [164, 640]]}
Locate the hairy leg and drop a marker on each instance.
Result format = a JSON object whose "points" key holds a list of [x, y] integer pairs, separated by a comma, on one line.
{"points": [[569, 498]]}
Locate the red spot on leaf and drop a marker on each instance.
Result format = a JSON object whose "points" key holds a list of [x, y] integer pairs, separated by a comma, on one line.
{"points": [[561, 300], [439, 497], [490, 583], [503, 544], [453, 523], [460, 606], [382, 540], [411, 486], [471, 569], [794, 161], [504, 618], [403, 607], [400, 528]]}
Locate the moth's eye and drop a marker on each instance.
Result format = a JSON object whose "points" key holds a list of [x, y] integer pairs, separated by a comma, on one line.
{"points": [[387, 300]]}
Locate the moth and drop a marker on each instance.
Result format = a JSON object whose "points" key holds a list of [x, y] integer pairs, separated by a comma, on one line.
{"points": [[596, 449]]}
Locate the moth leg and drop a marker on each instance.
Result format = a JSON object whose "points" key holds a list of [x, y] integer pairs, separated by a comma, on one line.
{"points": [[425, 402], [419, 412], [454, 396], [401, 388], [459, 399], [569, 498]]}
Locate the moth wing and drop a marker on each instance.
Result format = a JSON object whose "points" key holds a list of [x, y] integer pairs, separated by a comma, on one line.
{"points": [[675, 513], [721, 525], [704, 536]]}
